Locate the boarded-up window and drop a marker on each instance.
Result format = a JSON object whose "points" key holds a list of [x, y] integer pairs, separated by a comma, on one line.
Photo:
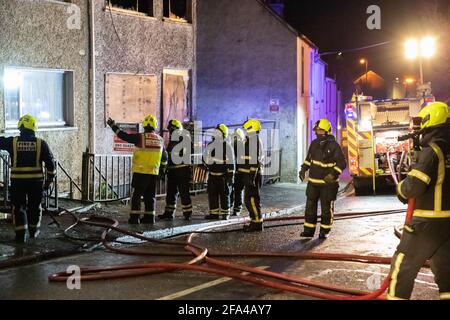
{"points": [[175, 98], [129, 98]]}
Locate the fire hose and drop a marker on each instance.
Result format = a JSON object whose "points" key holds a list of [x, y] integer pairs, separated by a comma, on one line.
{"points": [[224, 268]]}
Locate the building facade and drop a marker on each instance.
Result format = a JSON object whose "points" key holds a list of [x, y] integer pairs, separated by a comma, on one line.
{"points": [[73, 64], [44, 66], [250, 63]]}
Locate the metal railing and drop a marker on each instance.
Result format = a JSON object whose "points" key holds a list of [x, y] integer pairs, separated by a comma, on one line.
{"points": [[109, 177], [5, 178], [106, 177]]}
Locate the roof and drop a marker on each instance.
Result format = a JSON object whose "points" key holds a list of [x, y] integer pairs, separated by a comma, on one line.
{"points": [[370, 74], [286, 24]]}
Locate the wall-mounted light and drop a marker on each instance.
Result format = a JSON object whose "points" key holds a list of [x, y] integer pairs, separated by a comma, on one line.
{"points": [[12, 79]]}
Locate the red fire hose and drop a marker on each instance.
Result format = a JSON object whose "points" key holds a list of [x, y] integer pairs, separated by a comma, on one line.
{"points": [[224, 268]]}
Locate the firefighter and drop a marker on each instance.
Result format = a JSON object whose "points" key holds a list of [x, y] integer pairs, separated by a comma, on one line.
{"points": [[427, 236], [219, 159], [250, 169], [325, 162], [178, 172], [238, 186], [27, 177], [149, 162]]}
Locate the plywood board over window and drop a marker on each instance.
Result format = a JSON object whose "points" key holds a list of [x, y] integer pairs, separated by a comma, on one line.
{"points": [[175, 98], [129, 98]]}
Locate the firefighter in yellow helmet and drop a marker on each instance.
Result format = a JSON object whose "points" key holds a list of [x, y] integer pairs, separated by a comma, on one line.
{"points": [[249, 167], [28, 153], [427, 237], [325, 162], [178, 171], [237, 140], [149, 162], [219, 159]]}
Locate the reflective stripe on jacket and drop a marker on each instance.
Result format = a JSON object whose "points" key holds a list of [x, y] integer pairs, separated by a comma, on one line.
{"points": [[429, 182], [147, 155], [27, 155], [324, 157]]}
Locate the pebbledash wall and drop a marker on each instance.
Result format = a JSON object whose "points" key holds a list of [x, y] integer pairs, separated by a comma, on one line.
{"points": [[50, 35], [249, 58], [141, 46]]}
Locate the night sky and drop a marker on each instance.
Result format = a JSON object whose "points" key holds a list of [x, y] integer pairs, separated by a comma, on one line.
{"points": [[335, 25]]}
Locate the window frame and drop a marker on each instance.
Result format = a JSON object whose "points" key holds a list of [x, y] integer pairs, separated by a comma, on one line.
{"points": [[68, 99], [188, 19], [110, 7]]}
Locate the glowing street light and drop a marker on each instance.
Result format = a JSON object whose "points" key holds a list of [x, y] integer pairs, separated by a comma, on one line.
{"points": [[366, 63], [423, 48]]}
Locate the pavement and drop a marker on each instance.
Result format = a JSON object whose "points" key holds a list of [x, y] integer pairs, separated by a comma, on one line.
{"points": [[367, 235], [277, 199]]}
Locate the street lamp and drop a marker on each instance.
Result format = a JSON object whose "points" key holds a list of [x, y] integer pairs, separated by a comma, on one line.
{"points": [[423, 48], [366, 62]]}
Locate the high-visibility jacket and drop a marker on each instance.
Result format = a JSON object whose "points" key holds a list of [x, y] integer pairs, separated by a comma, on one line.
{"points": [[324, 157], [27, 155], [149, 154], [429, 180], [250, 160]]}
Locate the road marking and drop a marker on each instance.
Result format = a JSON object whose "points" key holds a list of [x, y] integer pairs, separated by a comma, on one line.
{"points": [[201, 287]]}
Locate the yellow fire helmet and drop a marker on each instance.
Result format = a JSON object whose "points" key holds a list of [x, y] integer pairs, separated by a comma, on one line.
{"points": [[239, 134], [323, 124], [150, 121], [28, 122], [223, 128], [252, 125], [175, 124], [434, 114]]}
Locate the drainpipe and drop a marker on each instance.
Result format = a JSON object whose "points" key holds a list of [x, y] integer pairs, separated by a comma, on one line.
{"points": [[92, 88]]}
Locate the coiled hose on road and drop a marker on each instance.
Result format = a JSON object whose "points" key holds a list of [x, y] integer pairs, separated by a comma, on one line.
{"points": [[217, 266]]}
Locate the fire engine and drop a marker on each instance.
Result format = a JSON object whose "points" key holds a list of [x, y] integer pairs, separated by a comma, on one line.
{"points": [[375, 155]]}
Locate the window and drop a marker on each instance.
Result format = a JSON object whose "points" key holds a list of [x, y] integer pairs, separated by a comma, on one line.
{"points": [[178, 10], [45, 94], [144, 7]]}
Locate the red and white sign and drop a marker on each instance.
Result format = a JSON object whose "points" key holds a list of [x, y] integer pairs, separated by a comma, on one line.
{"points": [[123, 146], [274, 105]]}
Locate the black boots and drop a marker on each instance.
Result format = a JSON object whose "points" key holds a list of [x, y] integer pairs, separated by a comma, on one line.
{"points": [[21, 236], [187, 217], [148, 219], [225, 216], [166, 216], [254, 227], [34, 233], [134, 219], [323, 235], [307, 234], [310, 234]]}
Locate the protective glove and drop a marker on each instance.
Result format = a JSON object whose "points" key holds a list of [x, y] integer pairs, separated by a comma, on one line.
{"points": [[329, 178], [302, 175], [111, 122]]}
